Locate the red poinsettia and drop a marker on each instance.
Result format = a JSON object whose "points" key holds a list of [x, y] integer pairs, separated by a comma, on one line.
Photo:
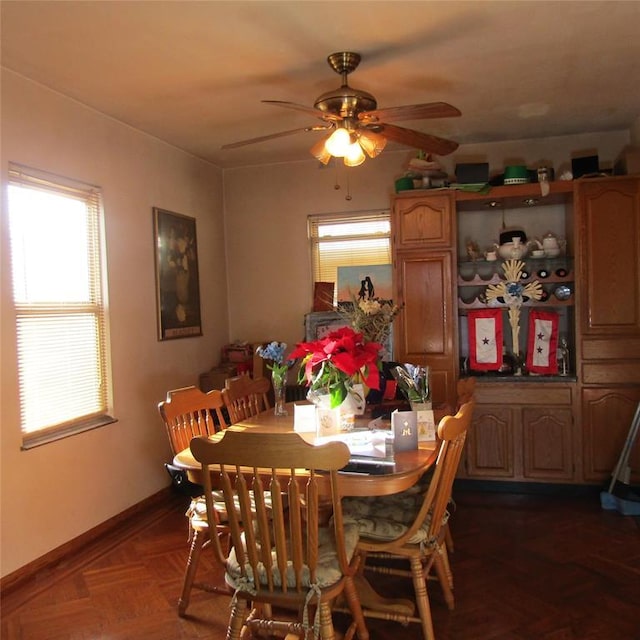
{"points": [[334, 363]]}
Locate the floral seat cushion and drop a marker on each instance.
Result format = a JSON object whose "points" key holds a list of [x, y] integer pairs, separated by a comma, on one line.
{"points": [[197, 511], [386, 518], [327, 573]]}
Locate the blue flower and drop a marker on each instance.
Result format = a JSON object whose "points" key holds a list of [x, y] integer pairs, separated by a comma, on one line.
{"points": [[274, 351]]}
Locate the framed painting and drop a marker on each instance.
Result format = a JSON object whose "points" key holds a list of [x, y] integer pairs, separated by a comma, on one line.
{"points": [[177, 280], [366, 282]]}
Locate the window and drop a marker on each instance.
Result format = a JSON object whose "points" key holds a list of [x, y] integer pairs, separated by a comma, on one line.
{"points": [[59, 296], [342, 240]]}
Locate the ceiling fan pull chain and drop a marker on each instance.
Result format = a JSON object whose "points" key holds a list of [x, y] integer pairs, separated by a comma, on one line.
{"points": [[336, 186], [348, 196]]}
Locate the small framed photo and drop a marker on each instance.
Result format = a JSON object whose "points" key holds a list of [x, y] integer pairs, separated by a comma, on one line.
{"points": [[177, 279]]}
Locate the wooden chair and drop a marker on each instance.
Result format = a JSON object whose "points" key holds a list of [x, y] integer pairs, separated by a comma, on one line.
{"points": [[411, 525], [466, 390], [318, 561], [245, 397], [187, 413]]}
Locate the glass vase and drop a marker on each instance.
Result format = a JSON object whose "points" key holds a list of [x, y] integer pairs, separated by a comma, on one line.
{"points": [[279, 381]]}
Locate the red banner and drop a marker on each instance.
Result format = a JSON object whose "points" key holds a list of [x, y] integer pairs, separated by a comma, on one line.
{"points": [[542, 342], [485, 339]]}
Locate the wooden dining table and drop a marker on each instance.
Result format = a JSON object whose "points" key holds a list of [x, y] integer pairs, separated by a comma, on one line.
{"points": [[408, 468]]}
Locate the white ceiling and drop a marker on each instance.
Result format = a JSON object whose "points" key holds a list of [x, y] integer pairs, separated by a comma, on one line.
{"points": [[194, 73]]}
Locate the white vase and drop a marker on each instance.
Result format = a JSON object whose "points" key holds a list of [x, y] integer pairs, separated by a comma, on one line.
{"points": [[355, 401], [342, 417]]}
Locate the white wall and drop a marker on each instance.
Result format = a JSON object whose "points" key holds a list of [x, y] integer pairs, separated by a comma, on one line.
{"points": [[55, 492]]}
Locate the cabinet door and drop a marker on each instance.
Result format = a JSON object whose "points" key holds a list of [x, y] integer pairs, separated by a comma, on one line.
{"points": [[606, 420], [427, 326], [489, 444], [610, 256], [424, 221], [547, 451]]}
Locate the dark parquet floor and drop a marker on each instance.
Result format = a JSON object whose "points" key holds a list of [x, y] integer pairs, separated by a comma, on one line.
{"points": [[526, 567]]}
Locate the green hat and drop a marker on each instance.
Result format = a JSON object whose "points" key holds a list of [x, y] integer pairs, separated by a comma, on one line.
{"points": [[516, 174]]}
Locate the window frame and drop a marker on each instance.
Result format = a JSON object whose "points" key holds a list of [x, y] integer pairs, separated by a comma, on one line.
{"points": [[96, 307]]}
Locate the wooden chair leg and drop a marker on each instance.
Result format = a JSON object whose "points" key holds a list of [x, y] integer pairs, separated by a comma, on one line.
{"points": [[422, 598], [444, 554], [448, 538], [444, 576], [327, 631], [197, 541], [237, 619], [353, 602]]}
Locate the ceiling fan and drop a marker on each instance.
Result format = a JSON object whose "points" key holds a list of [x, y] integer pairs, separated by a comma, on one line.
{"points": [[355, 125]]}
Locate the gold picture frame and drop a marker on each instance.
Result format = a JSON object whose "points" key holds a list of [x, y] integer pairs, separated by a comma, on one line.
{"points": [[177, 276]]}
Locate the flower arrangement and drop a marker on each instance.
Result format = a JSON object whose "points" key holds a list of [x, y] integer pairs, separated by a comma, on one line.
{"points": [[373, 317], [413, 381], [333, 364], [274, 351]]}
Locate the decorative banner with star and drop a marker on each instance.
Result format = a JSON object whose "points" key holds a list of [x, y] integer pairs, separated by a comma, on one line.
{"points": [[485, 339], [542, 342]]}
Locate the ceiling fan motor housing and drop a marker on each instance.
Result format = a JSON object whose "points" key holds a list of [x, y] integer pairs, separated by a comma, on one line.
{"points": [[346, 102]]}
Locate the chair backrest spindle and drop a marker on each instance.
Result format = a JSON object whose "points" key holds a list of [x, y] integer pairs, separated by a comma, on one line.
{"points": [[245, 397]]}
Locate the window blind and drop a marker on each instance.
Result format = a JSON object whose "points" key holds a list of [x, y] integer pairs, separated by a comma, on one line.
{"points": [[58, 290], [353, 239]]}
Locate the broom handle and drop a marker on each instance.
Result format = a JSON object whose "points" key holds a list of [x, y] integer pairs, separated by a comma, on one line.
{"points": [[626, 449]]}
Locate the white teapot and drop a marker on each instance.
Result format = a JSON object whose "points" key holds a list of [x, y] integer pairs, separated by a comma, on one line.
{"points": [[551, 245], [513, 250]]}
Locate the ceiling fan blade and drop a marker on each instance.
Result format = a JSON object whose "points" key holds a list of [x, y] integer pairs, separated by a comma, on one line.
{"points": [[271, 136], [411, 112], [312, 111], [419, 140]]}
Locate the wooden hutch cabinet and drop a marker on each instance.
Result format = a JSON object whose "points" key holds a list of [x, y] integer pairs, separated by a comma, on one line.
{"points": [[609, 323], [424, 258], [530, 428]]}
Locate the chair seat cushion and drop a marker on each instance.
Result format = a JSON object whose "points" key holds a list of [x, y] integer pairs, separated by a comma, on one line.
{"points": [[328, 571], [197, 511], [386, 518]]}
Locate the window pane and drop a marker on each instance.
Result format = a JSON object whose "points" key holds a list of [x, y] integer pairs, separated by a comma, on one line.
{"points": [[58, 375], [354, 228], [49, 245]]}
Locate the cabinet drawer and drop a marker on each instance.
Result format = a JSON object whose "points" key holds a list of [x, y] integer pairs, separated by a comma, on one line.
{"points": [[611, 349], [611, 372], [516, 394]]}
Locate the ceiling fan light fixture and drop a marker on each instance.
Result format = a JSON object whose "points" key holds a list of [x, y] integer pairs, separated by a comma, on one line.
{"points": [[319, 151], [338, 142], [373, 143], [354, 156]]}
